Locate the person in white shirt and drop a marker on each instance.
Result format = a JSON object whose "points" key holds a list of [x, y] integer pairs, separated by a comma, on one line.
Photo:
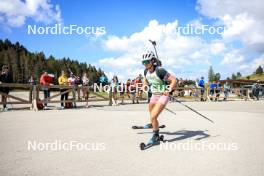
{"points": [[71, 82], [85, 88]]}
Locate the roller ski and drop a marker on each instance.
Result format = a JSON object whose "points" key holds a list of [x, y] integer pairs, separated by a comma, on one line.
{"points": [[148, 126], [155, 140]]}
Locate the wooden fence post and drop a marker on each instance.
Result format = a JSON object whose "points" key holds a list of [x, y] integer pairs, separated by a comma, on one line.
{"points": [[35, 92]]}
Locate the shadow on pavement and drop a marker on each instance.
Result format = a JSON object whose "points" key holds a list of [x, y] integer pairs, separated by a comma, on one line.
{"points": [[184, 134]]}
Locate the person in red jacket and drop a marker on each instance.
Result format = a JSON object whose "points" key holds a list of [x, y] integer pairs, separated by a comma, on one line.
{"points": [[45, 80]]}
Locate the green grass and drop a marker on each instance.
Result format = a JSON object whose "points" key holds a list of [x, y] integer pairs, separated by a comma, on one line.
{"points": [[254, 77]]}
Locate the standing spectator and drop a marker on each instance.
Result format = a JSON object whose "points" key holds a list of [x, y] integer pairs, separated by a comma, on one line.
{"points": [[226, 90], [186, 90], [201, 86], [139, 90], [128, 83], [114, 85], [5, 78], [45, 81], [255, 90], [78, 84], [181, 89], [85, 88], [217, 90], [196, 92], [213, 87], [122, 89], [31, 80], [71, 82], [63, 81], [133, 90]]}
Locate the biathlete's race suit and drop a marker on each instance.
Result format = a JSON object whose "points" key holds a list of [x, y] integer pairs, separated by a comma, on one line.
{"points": [[157, 81]]}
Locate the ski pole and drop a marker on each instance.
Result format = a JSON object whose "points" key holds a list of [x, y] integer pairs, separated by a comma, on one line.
{"points": [[195, 111], [170, 111], [154, 45]]}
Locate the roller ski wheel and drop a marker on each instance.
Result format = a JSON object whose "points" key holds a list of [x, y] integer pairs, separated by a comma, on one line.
{"points": [[142, 146], [161, 138]]}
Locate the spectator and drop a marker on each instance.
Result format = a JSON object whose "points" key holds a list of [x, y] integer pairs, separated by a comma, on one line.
{"points": [[139, 85], [201, 85], [63, 81], [78, 84], [85, 88], [71, 82], [217, 90], [140, 77], [213, 87], [195, 92], [45, 81], [133, 90], [226, 90], [187, 91], [31, 80], [5, 78], [181, 87], [255, 90], [114, 85], [128, 87], [122, 87]]}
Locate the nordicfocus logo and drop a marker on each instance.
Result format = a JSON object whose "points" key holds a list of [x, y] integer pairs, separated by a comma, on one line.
{"points": [[59, 29], [201, 146], [124, 88], [200, 30], [58, 145]]}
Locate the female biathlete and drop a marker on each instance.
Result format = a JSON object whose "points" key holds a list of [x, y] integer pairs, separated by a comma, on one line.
{"points": [[161, 83]]}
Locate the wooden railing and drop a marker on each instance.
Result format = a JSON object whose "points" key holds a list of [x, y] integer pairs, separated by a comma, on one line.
{"points": [[34, 94]]}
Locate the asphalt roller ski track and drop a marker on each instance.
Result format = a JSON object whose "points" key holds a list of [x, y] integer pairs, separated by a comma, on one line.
{"points": [[233, 145]]}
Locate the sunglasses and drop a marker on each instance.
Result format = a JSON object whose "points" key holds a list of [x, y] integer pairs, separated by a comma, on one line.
{"points": [[145, 62]]}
